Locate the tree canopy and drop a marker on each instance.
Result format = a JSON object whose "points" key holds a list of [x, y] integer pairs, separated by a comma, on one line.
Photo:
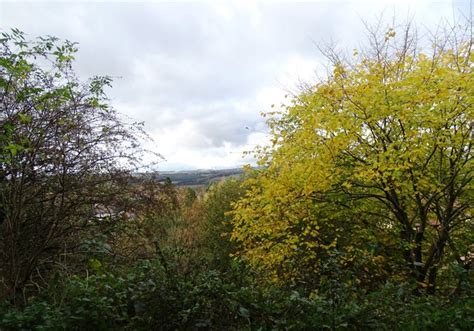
{"points": [[374, 162], [63, 155]]}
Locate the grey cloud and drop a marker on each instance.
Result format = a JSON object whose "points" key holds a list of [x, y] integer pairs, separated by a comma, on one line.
{"points": [[200, 63]]}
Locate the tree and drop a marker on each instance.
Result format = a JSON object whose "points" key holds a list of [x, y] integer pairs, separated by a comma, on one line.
{"points": [[375, 159], [218, 227], [65, 157]]}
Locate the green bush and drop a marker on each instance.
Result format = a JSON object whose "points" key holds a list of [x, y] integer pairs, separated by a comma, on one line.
{"points": [[147, 297]]}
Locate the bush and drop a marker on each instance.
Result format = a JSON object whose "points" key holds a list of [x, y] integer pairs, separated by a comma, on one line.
{"points": [[147, 298]]}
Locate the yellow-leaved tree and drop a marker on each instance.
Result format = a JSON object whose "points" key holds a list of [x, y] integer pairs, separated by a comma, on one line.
{"points": [[372, 164]]}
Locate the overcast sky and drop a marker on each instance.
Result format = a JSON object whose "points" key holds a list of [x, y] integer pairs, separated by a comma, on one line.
{"points": [[199, 73]]}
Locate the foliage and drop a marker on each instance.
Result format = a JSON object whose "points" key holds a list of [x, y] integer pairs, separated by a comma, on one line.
{"points": [[140, 234], [101, 301], [145, 297], [65, 156], [375, 161], [361, 206], [218, 202]]}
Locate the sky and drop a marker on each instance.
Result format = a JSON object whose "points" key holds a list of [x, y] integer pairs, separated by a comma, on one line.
{"points": [[199, 74]]}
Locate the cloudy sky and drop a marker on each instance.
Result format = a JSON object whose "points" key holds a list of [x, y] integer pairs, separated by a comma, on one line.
{"points": [[200, 73]]}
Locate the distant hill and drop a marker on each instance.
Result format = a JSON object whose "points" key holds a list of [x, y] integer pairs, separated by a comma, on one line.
{"points": [[196, 177]]}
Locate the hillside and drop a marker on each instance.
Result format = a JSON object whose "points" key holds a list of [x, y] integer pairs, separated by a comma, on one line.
{"points": [[198, 177]]}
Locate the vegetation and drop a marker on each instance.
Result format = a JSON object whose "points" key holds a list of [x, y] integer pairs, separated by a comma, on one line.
{"points": [[196, 178], [376, 163], [65, 157], [359, 215]]}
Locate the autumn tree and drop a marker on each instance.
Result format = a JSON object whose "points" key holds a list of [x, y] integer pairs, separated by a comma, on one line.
{"points": [[65, 157], [375, 161]]}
